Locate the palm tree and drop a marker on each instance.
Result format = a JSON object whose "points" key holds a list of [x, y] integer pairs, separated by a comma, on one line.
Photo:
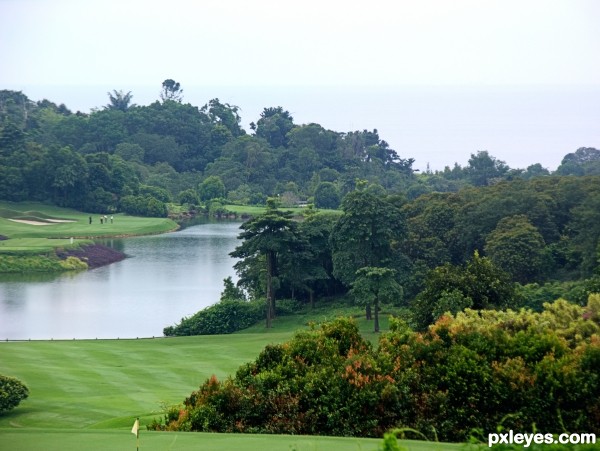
{"points": [[119, 100]]}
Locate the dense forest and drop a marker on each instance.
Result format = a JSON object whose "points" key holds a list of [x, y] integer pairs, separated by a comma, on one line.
{"points": [[125, 157]]}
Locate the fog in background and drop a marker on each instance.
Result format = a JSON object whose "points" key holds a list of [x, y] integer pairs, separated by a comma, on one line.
{"points": [[440, 80]]}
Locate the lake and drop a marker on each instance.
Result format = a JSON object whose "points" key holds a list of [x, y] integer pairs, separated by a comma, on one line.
{"points": [[165, 278]]}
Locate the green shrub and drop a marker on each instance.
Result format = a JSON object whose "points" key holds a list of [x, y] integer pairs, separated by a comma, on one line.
{"points": [[473, 370], [225, 317], [73, 264], [535, 295], [12, 392], [524, 370], [323, 381], [144, 206], [25, 263]]}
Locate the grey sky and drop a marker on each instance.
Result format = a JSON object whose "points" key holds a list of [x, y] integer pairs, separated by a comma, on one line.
{"points": [[124, 44]]}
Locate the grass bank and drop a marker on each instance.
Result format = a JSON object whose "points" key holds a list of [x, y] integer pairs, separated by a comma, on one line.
{"points": [[251, 210], [32, 232], [42, 224]]}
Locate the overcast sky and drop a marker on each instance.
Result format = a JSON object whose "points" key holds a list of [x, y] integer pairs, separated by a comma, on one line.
{"points": [[128, 44]]}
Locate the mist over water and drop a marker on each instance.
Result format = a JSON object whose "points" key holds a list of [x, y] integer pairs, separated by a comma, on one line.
{"points": [[165, 278], [435, 125]]}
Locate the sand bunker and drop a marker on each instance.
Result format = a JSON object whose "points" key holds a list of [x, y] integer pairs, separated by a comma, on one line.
{"points": [[40, 223]]}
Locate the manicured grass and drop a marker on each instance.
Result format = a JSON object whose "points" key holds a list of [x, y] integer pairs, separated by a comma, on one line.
{"points": [[37, 245], [321, 314], [254, 210], [41, 238], [105, 383], [85, 394], [115, 440]]}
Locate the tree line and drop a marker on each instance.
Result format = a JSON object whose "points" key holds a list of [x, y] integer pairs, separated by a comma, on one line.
{"points": [[127, 157]]}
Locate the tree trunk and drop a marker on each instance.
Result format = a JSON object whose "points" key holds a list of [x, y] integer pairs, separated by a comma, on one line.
{"points": [[368, 311], [376, 322], [270, 296], [312, 298]]}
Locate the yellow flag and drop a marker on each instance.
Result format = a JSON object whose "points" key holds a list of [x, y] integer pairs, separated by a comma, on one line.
{"points": [[136, 427]]}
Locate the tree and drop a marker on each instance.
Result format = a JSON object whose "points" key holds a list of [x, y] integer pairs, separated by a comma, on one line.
{"points": [[130, 152], [274, 125], [483, 168], [364, 234], [535, 170], [188, 196], [171, 90], [516, 246], [232, 292], [327, 195], [478, 284], [212, 188], [271, 235], [224, 114], [309, 268], [373, 286], [119, 100], [12, 138], [584, 161], [67, 173]]}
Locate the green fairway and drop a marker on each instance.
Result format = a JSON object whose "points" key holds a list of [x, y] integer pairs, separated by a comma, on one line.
{"points": [[34, 227], [319, 315], [106, 383], [254, 210], [116, 440], [86, 394]]}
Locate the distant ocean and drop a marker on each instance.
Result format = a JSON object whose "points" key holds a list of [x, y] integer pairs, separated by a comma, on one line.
{"points": [[437, 126]]}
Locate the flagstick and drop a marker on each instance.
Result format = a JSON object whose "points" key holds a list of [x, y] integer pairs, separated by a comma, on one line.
{"points": [[136, 430]]}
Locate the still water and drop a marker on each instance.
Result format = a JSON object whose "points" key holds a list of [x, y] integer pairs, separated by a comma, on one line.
{"points": [[165, 278]]}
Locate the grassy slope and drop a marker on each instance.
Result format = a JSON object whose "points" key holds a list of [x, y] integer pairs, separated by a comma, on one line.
{"points": [[26, 237], [85, 394], [254, 210], [49, 440], [105, 383]]}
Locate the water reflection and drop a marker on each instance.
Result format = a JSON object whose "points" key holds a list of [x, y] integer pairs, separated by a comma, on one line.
{"points": [[165, 278]]}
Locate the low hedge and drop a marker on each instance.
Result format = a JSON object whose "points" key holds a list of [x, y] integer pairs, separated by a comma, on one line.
{"points": [[225, 317]]}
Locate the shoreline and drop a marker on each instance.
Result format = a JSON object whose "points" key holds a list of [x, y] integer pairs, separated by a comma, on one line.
{"points": [[60, 259], [94, 255]]}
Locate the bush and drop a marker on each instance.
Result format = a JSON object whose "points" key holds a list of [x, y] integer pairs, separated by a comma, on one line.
{"points": [[144, 206], [473, 371], [535, 295], [26, 263], [225, 317], [478, 284], [12, 392], [321, 382], [73, 264]]}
